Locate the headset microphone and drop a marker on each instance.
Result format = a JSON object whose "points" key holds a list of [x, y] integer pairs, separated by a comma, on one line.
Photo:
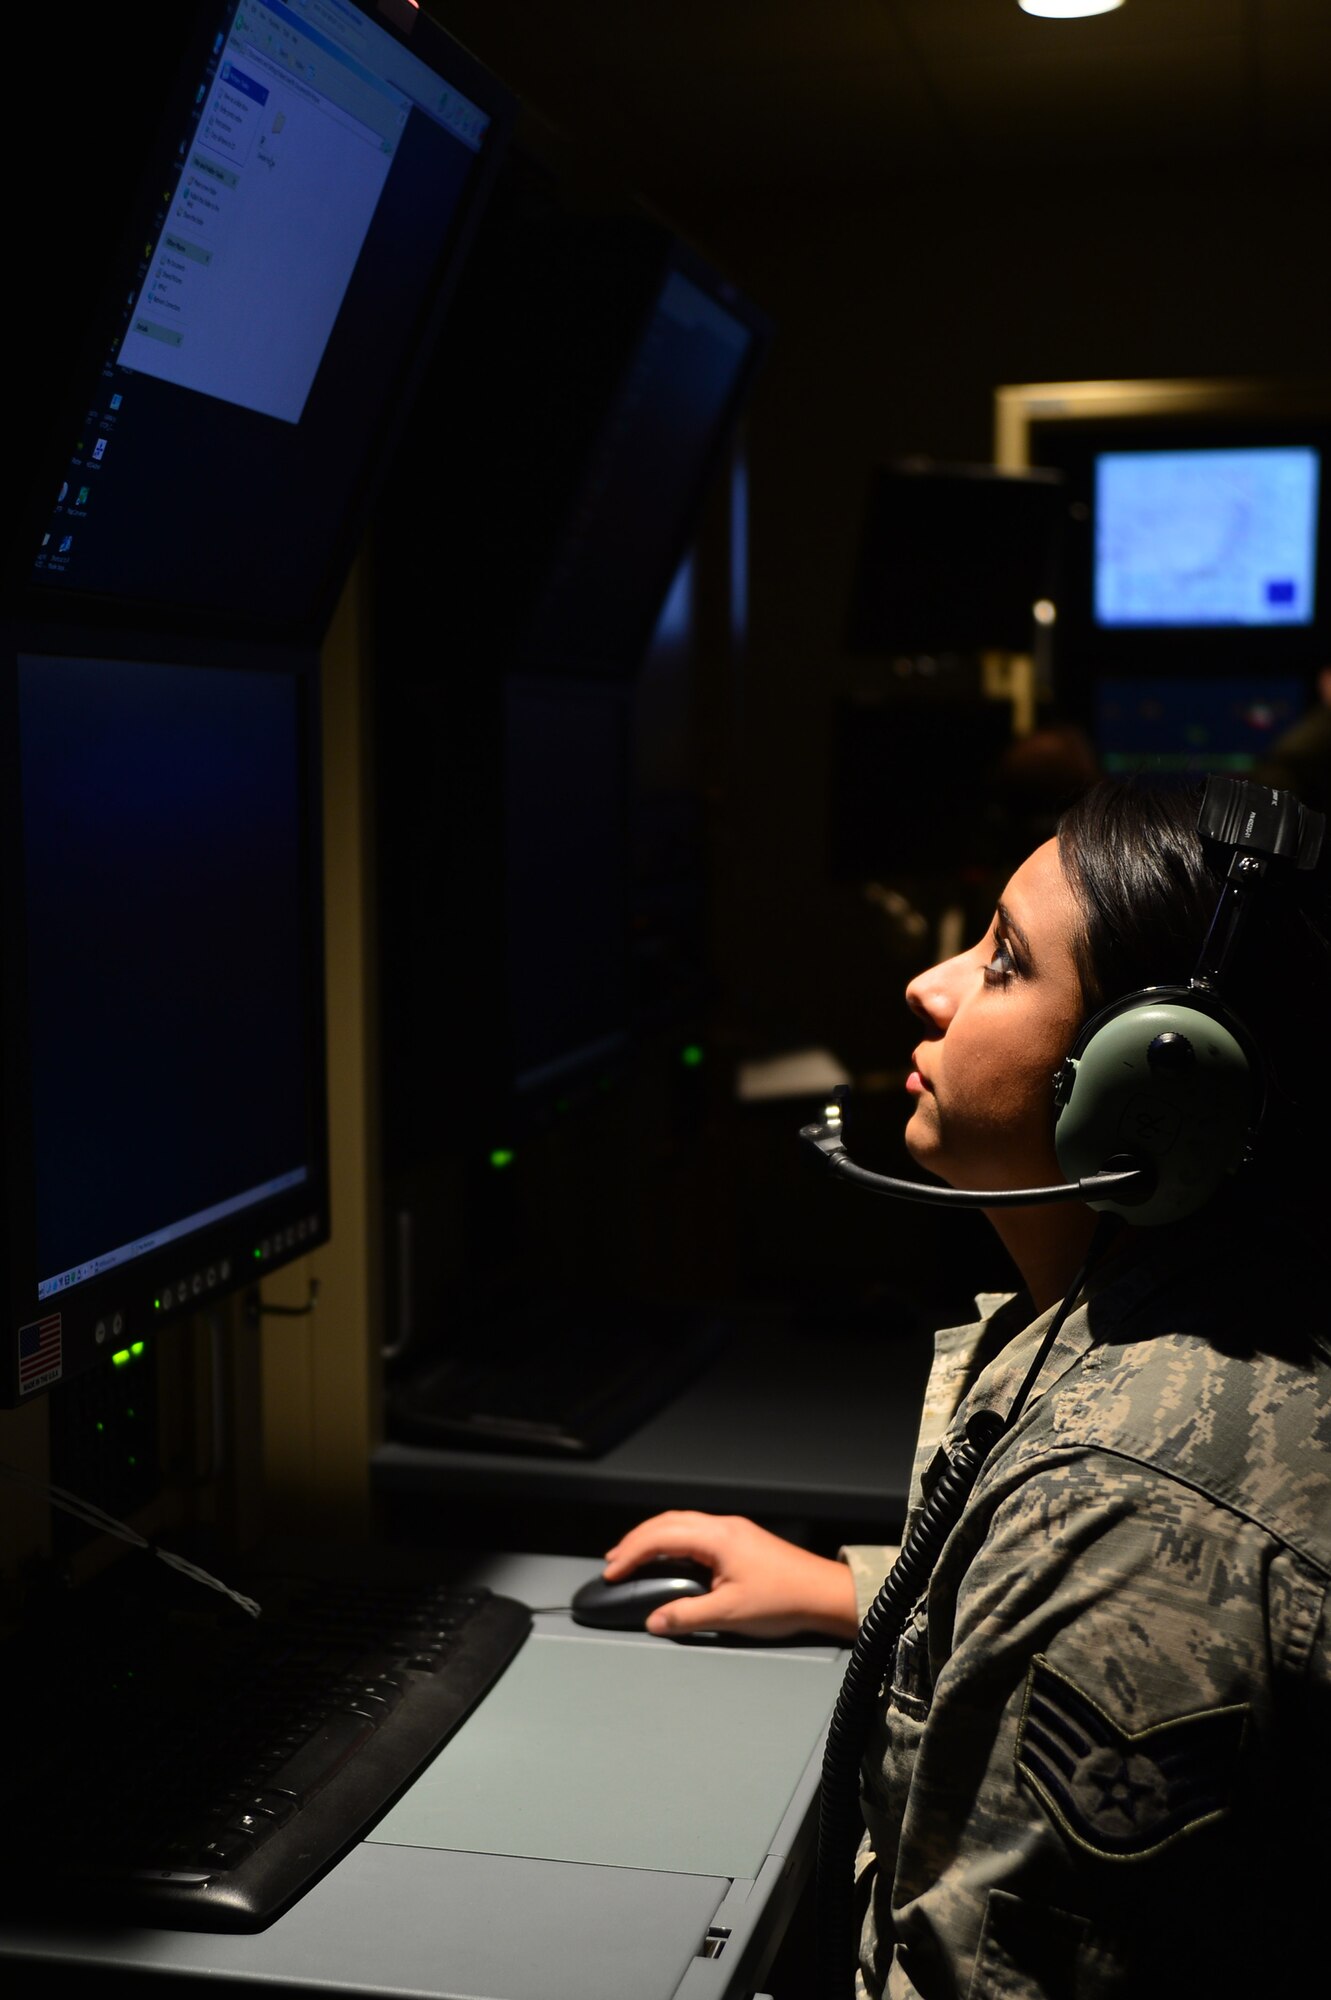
{"points": [[1126, 1180], [1158, 1099]]}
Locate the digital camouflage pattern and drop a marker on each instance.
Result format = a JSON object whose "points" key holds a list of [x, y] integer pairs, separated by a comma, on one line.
{"points": [[1101, 1763]]}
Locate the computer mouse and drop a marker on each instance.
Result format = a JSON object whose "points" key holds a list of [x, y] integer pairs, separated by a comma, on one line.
{"points": [[626, 1606]]}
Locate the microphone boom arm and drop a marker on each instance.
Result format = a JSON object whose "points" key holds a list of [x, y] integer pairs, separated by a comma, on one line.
{"points": [[1127, 1181]]}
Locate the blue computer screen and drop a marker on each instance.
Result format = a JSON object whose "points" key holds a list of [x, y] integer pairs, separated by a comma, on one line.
{"points": [[1206, 537], [166, 948]]}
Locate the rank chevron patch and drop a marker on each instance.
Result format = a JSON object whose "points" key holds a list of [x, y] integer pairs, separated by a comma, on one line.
{"points": [[1118, 1795]]}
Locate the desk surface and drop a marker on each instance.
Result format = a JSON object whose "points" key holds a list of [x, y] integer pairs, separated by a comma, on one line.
{"points": [[779, 1423], [617, 1808]]}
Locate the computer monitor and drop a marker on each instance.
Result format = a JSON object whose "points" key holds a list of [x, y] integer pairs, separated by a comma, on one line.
{"points": [[1206, 536], [288, 237], [1167, 729], [502, 912], [1194, 548], [164, 1055], [575, 411], [953, 559], [634, 511], [565, 952]]}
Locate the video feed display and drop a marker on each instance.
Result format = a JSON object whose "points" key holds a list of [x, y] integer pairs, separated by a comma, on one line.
{"points": [[1214, 537]]}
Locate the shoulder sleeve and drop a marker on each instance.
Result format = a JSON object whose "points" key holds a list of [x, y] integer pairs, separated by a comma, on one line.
{"points": [[1094, 1682]]}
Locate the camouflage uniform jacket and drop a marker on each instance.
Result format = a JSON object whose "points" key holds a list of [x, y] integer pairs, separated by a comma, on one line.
{"points": [[1103, 1758]]}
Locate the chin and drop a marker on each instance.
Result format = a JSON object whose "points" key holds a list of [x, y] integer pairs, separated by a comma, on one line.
{"points": [[925, 1151]]}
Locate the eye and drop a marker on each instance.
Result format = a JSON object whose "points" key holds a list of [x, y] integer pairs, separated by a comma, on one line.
{"points": [[1000, 968]]}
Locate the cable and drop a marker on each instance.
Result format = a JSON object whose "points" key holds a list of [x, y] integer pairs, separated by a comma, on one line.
{"points": [[840, 1823], [96, 1517]]}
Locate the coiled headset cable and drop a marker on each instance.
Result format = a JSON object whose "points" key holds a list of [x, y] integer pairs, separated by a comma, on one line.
{"points": [[840, 1823]]}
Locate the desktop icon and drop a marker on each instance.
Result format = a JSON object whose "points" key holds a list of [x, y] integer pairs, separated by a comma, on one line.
{"points": [[82, 500], [99, 449], [66, 543]]}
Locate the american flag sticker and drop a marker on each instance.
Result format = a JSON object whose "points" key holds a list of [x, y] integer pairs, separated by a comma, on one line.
{"points": [[40, 1357]]}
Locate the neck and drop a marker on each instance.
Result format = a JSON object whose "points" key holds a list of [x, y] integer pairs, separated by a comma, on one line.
{"points": [[1046, 1244]]}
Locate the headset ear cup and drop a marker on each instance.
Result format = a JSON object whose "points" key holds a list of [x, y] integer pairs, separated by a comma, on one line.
{"points": [[1159, 1077]]}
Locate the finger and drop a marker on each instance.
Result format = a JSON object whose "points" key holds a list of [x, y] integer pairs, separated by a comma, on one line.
{"points": [[660, 1524], [691, 1614], [670, 1538]]}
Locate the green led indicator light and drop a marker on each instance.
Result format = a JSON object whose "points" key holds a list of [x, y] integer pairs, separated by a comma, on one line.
{"points": [[121, 1359], [157, 1305], [501, 1157], [131, 1460], [691, 1055], [130, 1412], [100, 1425], [136, 1347]]}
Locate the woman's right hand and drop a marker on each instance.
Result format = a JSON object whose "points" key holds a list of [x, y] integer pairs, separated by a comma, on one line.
{"points": [[762, 1586]]}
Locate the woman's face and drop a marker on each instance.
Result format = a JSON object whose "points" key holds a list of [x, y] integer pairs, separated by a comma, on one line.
{"points": [[999, 1018]]}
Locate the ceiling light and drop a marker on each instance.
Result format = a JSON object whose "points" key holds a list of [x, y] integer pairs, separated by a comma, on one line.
{"points": [[1067, 10]]}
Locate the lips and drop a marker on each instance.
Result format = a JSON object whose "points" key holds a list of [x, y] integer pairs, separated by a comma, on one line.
{"points": [[917, 1080]]}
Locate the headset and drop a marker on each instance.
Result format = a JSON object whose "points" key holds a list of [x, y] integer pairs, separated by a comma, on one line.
{"points": [[1160, 1097]]}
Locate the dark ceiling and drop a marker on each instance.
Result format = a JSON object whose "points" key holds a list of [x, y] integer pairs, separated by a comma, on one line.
{"points": [[738, 97]]}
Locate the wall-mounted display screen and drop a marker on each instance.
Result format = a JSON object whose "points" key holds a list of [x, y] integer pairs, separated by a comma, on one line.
{"points": [[1206, 537], [1195, 548]]}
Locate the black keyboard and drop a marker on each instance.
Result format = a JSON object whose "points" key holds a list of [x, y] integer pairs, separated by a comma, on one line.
{"points": [[174, 1761], [562, 1382]]}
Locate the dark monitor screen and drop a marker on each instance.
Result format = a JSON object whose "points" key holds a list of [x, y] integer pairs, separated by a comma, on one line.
{"points": [[1206, 536], [164, 1059], [575, 411], [953, 559], [1171, 728], [631, 521], [566, 778], [305, 203]]}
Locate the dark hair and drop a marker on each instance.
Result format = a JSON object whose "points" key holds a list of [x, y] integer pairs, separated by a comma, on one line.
{"points": [[1148, 886]]}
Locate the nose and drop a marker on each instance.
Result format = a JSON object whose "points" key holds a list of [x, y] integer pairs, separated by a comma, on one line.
{"points": [[932, 995]]}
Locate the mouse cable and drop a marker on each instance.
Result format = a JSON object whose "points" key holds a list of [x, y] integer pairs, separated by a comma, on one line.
{"points": [[96, 1517]]}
